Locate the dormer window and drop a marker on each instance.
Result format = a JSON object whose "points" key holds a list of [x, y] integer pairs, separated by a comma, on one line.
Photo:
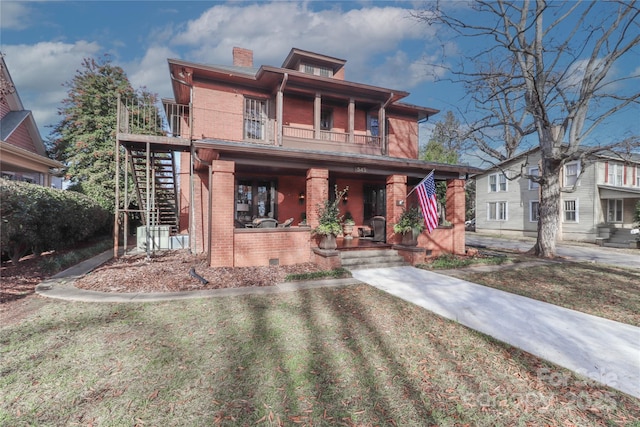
{"points": [[316, 70]]}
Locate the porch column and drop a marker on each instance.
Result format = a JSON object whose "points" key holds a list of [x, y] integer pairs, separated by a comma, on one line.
{"points": [[382, 130], [198, 235], [279, 98], [352, 113], [317, 111], [455, 213], [396, 193], [317, 193], [222, 228]]}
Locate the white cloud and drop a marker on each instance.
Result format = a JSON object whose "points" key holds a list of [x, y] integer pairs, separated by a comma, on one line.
{"points": [[39, 72], [152, 72], [360, 36], [14, 15]]}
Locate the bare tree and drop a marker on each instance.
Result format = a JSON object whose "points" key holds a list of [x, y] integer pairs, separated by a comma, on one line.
{"points": [[563, 54]]}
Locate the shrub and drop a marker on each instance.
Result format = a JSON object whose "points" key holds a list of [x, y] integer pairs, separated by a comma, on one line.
{"points": [[38, 219]]}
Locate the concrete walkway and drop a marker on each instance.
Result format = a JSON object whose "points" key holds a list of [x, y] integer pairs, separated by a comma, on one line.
{"points": [[597, 348], [600, 349]]}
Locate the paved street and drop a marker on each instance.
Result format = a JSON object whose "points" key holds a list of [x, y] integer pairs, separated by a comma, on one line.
{"points": [[579, 252]]}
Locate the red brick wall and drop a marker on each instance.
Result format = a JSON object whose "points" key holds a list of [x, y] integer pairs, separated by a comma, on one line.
{"points": [[256, 247], [317, 193], [222, 226], [289, 189], [298, 112], [403, 137], [455, 210], [396, 191], [242, 57]]}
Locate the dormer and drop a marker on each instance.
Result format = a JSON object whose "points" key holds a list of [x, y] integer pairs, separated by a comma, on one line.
{"points": [[315, 64]]}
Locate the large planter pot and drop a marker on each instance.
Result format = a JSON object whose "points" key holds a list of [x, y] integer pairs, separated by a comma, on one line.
{"points": [[347, 230], [328, 242], [410, 238]]}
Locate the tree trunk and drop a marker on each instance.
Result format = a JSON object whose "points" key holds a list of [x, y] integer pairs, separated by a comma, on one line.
{"points": [[549, 213]]}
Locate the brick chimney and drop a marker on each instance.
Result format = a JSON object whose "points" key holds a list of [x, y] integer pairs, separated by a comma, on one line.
{"points": [[242, 57]]}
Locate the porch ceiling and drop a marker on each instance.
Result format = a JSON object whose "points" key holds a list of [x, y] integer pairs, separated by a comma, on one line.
{"points": [[613, 192], [294, 161]]}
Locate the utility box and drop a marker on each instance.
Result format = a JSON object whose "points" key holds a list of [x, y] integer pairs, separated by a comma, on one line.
{"points": [[158, 237]]}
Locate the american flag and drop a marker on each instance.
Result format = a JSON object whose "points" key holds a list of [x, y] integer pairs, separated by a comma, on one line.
{"points": [[427, 197]]}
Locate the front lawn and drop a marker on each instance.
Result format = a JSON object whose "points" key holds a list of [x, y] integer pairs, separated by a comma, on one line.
{"points": [[331, 356]]}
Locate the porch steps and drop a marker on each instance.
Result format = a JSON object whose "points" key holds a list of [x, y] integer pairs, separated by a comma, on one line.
{"points": [[378, 258], [620, 238], [163, 195]]}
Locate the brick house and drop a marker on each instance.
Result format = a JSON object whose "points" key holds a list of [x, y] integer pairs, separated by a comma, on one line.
{"points": [[273, 142], [22, 152]]}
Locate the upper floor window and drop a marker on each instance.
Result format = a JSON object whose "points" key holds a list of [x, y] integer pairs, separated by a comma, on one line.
{"points": [[255, 118], [571, 173], [317, 70], [534, 210], [571, 211], [497, 182], [637, 176], [615, 176], [374, 127], [497, 211], [326, 119], [533, 172]]}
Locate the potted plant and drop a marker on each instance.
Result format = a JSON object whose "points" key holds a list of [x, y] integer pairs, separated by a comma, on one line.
{"points": [[410, 224], [329, 221], [347, 225]]}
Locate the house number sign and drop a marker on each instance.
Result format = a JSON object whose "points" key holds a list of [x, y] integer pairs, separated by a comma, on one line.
{"points": [[360, 169]]}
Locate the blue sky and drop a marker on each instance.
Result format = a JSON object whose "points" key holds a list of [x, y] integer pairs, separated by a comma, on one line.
{"points": [[45, 42]]}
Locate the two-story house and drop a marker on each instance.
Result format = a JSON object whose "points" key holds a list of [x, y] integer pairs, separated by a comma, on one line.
{"points": [[273, 142], [598, 198], [22, 152]]}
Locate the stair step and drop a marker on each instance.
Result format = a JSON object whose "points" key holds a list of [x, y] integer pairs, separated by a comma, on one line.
{"points": [[379, 258]]}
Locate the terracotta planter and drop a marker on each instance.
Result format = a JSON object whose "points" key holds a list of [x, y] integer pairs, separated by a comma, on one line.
{"points": [[410, 238], [347, 230], [328, 242]]}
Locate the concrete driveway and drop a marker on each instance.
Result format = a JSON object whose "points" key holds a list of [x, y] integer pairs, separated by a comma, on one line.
{"points": [[579, 252]]}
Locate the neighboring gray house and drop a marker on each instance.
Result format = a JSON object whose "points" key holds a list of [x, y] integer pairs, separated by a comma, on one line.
{"points": [[599, 208]]}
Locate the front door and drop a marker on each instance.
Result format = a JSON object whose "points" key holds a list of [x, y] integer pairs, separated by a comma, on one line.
{"points": [[375, 201]]}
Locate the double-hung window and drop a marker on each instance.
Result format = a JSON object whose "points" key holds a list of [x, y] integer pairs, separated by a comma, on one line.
{"points": [[615, 174], [497, 182], [571, 211], [534, 210], [571, 172], [614, 210], [255, 118], [532, 184], [497, 211]]}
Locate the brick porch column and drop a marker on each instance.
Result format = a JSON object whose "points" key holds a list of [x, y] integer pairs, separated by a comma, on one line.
{"points": [[396, 191], [222, 227], [317, 193], [455, 209]]}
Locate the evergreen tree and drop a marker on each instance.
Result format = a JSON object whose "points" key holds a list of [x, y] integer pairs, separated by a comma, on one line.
{"points": [[84, 139]]}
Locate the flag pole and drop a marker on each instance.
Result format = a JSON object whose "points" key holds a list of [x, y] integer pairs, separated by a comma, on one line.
{"points": [[418, 185]]}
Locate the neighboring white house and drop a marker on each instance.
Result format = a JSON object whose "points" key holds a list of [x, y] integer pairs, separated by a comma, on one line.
{"points": [[598, 198]]}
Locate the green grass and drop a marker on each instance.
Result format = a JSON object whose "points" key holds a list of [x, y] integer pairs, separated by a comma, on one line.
{"points": [[337, 273], [330, 356], [448, 261]]}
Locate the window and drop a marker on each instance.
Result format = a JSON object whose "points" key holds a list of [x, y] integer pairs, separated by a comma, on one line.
{"points": [[497, 182], [255, 118], [615, 174], [534, 210], [326, 119], [255, 199], [637, 176], [571, 172], [571, 211], [317, 70], [533, 172], [614, 210], [497, 211], [374, 127]]}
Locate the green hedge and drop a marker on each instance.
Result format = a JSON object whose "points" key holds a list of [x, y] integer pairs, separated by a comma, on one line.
{"points": [[39, 219]]}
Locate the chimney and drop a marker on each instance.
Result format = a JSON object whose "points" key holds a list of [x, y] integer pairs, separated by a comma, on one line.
{"points": [[242, 57]]}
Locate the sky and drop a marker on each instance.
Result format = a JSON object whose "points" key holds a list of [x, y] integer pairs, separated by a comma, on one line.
{"points": [[44, 43]]}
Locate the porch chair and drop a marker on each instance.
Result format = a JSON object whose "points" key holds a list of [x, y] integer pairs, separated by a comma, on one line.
{"points": [[286, 224], [265, 223], [379, 226]]}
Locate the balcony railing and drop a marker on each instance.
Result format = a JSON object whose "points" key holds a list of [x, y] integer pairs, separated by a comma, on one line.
{"points": [[172, 120]]}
